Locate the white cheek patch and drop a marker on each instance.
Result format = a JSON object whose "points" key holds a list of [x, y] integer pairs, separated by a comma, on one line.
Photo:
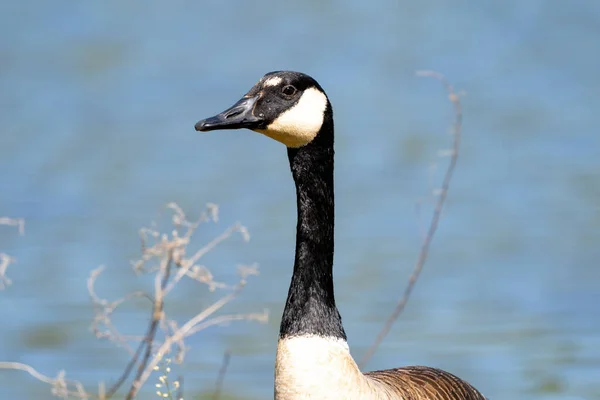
{"points": [[274, 81], [300, 124]]}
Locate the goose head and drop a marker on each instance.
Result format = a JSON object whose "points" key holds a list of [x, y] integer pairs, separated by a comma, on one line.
{"points": [[290, 107]]}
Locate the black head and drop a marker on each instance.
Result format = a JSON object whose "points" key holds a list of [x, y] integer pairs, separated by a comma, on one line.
{"points": [[287, 106]]}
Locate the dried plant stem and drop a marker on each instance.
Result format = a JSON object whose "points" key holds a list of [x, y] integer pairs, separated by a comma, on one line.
{"points": [[5, 259], [59, 384], [128, 368], [161, 252], [187, 264], [29, 369], [161, 281], [185, 330], [104, 309], [457, 130], [18, 222], [221, 376]]}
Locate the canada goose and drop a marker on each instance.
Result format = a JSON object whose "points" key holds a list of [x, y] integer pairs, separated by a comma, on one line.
{"points": [[313, 359]]}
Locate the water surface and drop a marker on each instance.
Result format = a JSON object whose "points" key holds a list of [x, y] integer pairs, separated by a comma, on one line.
{"points": [[98, 102]]}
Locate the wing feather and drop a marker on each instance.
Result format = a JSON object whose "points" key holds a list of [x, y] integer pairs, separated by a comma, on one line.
{"points": [[420, 383]]}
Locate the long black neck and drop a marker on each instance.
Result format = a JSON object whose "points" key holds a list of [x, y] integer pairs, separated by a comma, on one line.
{"points": [[310, 307]]}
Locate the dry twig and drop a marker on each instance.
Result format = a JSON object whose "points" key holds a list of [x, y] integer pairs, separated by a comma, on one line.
{"points": [[160, 254], [5, 259], [161, 280], [103, 310], [18, 222], [221, 376], [442, 193], [61, 387]]}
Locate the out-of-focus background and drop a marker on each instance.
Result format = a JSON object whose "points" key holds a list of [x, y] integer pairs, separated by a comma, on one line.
{"points": [[97, 106]]}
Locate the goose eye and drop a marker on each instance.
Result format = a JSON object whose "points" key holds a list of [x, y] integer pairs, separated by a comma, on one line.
{"points": [[289, 90]]}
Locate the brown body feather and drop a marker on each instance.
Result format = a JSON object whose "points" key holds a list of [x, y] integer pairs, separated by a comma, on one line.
{"points": [[419, 383]]}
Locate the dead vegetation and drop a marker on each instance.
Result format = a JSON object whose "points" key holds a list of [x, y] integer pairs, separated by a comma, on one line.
{"points": [[5, 259], [169, 259]]}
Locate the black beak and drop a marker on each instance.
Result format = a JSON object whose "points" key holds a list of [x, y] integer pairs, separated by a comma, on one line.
{"points": [[235, 117]]}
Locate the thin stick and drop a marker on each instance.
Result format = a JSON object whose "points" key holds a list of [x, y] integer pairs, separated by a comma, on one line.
{"points": [[185, 268], [221, 376], [59, 384], [103, 310], [157, 314], [113, 389], [457, 130], [222, 319], [170, 250], [184, 331], [5, 259], [29, 369], [18, 222]]}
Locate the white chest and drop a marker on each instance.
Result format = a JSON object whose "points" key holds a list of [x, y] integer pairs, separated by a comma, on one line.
{"points": [[319, 368]]}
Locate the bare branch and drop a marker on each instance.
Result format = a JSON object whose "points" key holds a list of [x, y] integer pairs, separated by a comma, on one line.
{"points": [[157, 314], [18, 222], [113, 389], [183, 332], [160, 253], [221, 376], [171, 249], [442, 193], [223, 319], [103, 310], [60, 385], [185, 265], [5, 259]]}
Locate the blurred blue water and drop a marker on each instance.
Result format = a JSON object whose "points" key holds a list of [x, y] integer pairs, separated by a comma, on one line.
{"points": [[98, 102]]}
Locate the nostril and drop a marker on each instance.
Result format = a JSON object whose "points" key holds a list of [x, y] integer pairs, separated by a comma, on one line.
{"points": [[233, 112]]}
